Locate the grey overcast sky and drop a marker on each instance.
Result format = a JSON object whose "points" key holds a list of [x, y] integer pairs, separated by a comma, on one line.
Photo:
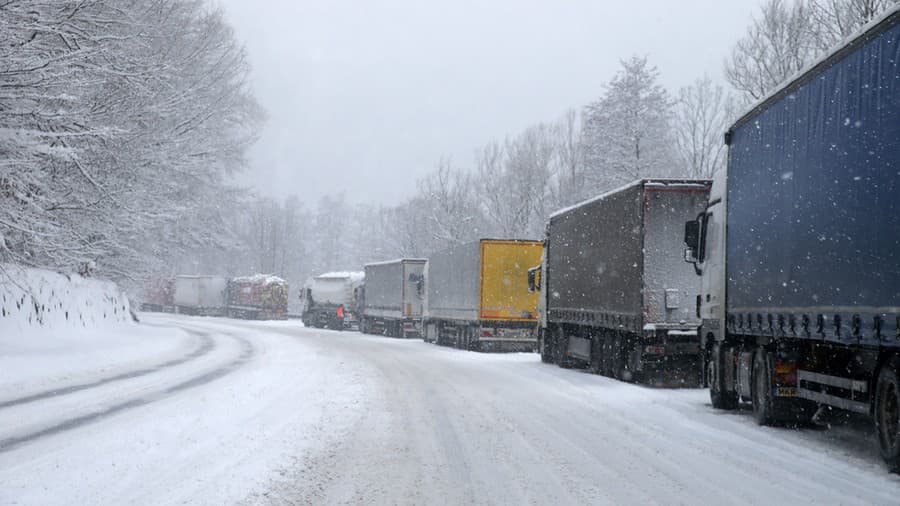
{"points": [[364, 96]]}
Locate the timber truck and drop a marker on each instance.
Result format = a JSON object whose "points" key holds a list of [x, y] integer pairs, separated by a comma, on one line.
{"points": [[322, 295], [394, 298], [478, 298], [257, 297], [615, 293], [798, 248]]}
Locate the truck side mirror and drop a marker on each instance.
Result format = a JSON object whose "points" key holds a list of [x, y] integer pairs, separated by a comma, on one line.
{"points": [[534, 279]]}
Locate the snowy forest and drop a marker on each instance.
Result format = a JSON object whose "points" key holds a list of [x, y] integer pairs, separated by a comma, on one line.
{"points": [[122, 122]]}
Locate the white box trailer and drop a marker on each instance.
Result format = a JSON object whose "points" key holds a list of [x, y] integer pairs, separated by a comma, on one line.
{"points": [[201, 295], [394, 298]]}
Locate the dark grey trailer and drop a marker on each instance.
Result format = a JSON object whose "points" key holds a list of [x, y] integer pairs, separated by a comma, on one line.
{"points": [[395, 298], [617, 293]]}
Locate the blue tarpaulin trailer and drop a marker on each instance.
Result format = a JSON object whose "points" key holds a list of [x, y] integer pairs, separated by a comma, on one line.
{"points": [[799, 245]]}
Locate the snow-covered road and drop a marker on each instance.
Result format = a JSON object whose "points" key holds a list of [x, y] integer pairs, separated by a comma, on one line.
{"points": [[221, 412]]}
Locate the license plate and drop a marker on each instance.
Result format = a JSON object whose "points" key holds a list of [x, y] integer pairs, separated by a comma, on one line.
{"points": [[786, 391]]}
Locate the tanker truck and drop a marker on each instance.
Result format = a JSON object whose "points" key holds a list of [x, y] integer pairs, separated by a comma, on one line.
{"points": [[323, 294]]}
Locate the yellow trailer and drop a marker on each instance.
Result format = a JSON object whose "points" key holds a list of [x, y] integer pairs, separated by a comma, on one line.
{"points": [[504, 293], [478, 297]]}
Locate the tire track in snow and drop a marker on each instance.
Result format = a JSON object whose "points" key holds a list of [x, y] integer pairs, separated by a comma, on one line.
{"points": [[247, 352], [207, 345]]}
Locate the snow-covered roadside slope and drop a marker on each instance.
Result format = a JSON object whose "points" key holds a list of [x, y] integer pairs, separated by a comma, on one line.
{"points": [[59, 329], [33, 299]]}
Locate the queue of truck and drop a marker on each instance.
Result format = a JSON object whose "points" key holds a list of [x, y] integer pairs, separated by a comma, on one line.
{"points": [[787, 296], [257, 297]]}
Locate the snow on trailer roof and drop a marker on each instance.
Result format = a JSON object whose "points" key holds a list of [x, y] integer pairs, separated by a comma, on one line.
{"points": [[353, 275], [263, 279], [519, 239], [396, 260], [820, 64], [649, 182]]}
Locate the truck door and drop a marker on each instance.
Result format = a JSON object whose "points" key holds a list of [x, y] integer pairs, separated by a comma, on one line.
{"points": [[711, 261], [414, 290]]}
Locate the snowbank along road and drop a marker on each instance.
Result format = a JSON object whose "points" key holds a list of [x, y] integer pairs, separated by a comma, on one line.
{"points": [[271, 413]]}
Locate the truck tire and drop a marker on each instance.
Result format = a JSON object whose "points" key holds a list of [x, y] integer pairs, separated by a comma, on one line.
{"points": [[596, 364], [545, 347], [616, 358], [720, 398], [887, 414], [767, 408], [606, 367], [560, 345], [761, 391]]}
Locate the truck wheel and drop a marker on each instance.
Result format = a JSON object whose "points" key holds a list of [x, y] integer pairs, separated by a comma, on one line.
{"points": [[616, 358], [545, 348], [887, 415], [560, 344], [761, 393], [596, 365], [721, 399], [606, 356], [767, 408]]}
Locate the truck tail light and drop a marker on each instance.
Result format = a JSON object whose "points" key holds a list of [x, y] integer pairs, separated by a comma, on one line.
{"points": [[785, 373], [487, 333]]}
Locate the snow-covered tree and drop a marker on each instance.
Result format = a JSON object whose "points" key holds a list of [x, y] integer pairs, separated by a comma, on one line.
{"points": [[513, 181], [451, 206], [568, 182], [702, 115], [776, 46], [790, 34], [627, 132], [834, 20], [120, 121]]}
